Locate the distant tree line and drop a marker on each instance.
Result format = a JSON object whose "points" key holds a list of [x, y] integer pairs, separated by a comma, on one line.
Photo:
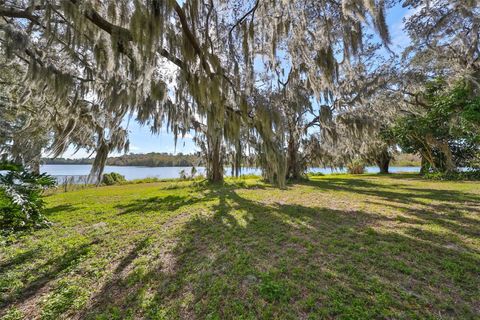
{"points": [[157, 159], [406, 160], [153, 159]]}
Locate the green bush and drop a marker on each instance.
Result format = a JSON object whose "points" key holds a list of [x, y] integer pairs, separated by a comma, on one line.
{"points": [[449, 176], [356, 167], [315, 174], [112, 178], [21, 202], [183, 175]]}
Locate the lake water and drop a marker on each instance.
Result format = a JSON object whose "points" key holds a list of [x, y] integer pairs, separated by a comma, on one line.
{"points": [[132, 173]]}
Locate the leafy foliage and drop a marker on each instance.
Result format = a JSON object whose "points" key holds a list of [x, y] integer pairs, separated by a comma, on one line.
{"points": [[357, 166], [231, 72], [109, 60], [21, 202], [445, 130], [466, 175], [406, 160], [112, 178], [23, 122]]}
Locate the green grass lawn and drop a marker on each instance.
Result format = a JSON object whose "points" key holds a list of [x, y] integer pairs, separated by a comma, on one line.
{"points": [[339, 246]]}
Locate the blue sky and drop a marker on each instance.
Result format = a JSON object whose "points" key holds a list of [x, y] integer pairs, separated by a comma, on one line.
{"points": [[142, 141], [395, 22]]}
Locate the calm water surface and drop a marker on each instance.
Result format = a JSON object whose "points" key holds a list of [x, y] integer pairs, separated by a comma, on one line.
{"points": [[132, 173]]}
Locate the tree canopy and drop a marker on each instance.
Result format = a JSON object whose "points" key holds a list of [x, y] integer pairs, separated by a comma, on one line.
{"points": [[285, 82]]}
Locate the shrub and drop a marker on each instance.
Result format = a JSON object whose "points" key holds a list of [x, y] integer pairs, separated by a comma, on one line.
{"points": [[112, 178], [183, 175], [465, 175], [356, 167], [21, 202], [193, 172]]}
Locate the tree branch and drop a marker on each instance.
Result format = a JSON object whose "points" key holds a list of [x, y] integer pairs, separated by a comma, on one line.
{"points": [[249, 12]]}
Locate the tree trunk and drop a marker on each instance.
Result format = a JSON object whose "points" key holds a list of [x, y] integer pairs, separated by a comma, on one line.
{"points": [[383, 161], [215, 165], [36, 165], [214, 147], [238, 159], [449, 163], [293, 165], [423, 166]]}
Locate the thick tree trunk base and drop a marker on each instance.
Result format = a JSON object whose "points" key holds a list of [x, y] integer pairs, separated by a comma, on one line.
{"points": [[384, 168], [294, 168], [383, 162], [215, 165]]}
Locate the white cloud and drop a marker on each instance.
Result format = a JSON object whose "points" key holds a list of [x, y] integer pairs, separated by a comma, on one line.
{"points": [[134, 147]]}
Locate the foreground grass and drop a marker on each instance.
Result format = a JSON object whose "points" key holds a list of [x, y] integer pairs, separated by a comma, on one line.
{"points": [[333, 247]]}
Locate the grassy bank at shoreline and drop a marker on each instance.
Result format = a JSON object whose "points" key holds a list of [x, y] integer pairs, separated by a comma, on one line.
{"points": [[337, 246]]}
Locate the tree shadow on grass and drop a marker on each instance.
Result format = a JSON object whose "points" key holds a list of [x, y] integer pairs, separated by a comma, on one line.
{"points": [[449, 216], [403, 176], [289, 260], [50, 211], [394, 193], [115, 291], [445, 208], [19, 259], [157, 204], [255, 260], [39, 278], [204, 192]]}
